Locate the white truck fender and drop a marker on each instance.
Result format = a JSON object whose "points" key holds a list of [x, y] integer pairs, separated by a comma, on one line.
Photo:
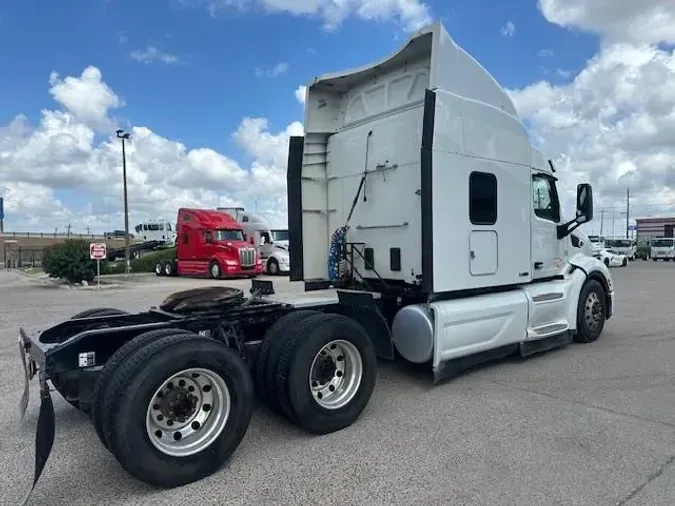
{"points": [[585, 268]]}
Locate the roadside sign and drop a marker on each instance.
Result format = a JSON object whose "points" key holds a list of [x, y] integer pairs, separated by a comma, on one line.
{"points": [[98, 250], [2, 208]]}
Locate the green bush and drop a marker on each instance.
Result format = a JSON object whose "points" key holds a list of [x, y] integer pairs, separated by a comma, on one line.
{"points": [[70, 261], [112, 268], [147, 262]]}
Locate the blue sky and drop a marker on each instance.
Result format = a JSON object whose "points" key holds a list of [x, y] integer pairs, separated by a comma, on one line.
{"points": [[213, 68], [202, 98]]}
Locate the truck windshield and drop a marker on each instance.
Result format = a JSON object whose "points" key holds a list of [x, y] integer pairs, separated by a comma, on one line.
{"points": [[229, 235], [280, 235]]}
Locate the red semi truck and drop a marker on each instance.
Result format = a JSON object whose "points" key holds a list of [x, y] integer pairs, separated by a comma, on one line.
{"points": [[210, 243]]}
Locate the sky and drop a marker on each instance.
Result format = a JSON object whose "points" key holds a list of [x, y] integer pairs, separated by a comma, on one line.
{"points": [[211, 90]]}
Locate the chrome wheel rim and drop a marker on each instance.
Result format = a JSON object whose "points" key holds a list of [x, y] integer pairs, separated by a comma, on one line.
{"points": [[158, 268], [188, 412], [167, 269], [273, 268], [215, 270], [335, 374], [593, 311]]}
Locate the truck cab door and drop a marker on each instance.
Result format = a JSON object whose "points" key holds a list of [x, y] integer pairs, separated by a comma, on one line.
{"points": [[547, 250], [208, 246], [266, 245]]}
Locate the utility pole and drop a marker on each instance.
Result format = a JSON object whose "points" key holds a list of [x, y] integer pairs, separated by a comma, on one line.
{"points": [[88, 230], [627, 212], [602, 220], [124, 136], [68, 229]]}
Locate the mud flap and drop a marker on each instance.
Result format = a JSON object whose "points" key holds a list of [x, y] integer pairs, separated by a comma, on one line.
{"points": [[23, 403], [44, 437]]}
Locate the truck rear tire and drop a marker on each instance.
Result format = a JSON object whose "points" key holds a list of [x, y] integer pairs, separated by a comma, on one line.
{"points": [[159, 268], [169, 268], [178, 408], [100, 392], [268, 356], [591, 312], [326, 373], [59, 384]]}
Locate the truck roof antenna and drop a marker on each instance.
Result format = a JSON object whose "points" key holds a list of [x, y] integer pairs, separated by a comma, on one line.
{"points": [[550, 164]]}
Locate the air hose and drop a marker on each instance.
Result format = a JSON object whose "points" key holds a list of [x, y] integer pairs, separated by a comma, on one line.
{"points": [[337, 240]]}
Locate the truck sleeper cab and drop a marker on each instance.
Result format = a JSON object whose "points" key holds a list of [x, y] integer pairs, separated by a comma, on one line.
{"points": [[421, 178], [663, 248], [210, 243], [421, 221]]}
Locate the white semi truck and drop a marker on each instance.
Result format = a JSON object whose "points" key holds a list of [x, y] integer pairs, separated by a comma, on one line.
{"points": [[256, 229], [160, 231], [420, 220]]}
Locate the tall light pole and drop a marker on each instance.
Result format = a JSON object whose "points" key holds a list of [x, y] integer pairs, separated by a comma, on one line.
{"points": [[121, 134]]}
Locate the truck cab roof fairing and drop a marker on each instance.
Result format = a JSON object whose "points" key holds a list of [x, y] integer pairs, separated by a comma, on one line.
{"points": [[452, 69]]}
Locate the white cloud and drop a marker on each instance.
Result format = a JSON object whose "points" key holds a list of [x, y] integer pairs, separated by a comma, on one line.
{"points": [[275, 71], [545, 53], [64, 152], [508, 30], [410, 14], [300, 93], [151, 54], [86, 98], [640, 21], [613, 125]]}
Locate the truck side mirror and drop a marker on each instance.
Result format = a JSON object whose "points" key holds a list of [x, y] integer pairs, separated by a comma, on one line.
{"points": [[584, 203], [584, 211]]}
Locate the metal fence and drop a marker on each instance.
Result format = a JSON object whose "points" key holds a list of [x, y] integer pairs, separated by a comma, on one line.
{"points": [[51, 235], [16, 258]]}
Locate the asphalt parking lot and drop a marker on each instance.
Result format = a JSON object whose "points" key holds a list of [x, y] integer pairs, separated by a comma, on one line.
{"points": [[585, 425]]}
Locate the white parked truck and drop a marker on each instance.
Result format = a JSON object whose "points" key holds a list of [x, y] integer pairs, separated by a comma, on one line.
{"points": [[160, 231], [663, 248], [420, 220], [274, 253]]}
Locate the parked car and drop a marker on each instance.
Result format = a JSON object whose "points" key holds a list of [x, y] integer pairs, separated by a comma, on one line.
{"points": [[116, 234], [612, 258]]}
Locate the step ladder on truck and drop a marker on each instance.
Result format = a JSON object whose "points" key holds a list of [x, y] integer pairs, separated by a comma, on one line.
{"points": [[419, 175]]}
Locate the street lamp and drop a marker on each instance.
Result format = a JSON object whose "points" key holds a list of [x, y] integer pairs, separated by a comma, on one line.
{"points": [[121, 134]]}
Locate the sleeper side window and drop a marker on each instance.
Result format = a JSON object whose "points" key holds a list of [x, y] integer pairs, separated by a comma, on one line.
{"points": [[483, 198]]}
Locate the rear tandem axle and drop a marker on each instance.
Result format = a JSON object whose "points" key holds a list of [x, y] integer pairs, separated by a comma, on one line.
{"points": [[171, 391]]}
